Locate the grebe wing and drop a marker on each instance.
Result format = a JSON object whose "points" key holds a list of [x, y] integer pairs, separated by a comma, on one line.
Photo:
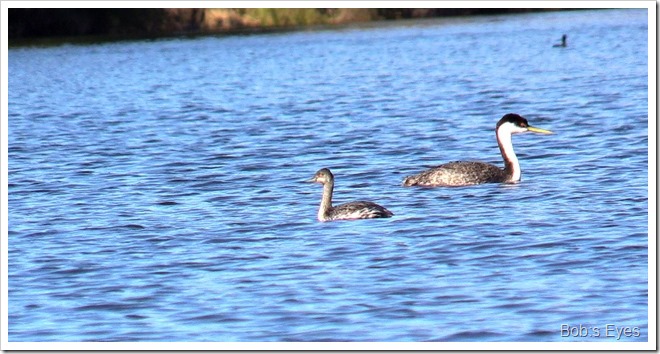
{"points": [[359, 210], [457, 173]]}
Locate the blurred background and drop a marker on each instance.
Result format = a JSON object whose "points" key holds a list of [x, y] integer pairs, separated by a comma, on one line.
{"points": [[26, 23]]}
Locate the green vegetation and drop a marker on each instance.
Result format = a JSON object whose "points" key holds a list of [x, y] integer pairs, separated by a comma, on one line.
{"points": [[291, 17]]}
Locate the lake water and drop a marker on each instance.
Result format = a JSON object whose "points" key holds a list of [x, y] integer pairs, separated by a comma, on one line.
{"points": [[156, 187]]}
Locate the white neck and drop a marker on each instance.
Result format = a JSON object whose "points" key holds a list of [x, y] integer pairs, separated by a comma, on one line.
{"points": [[326, 200], [506, 148]]}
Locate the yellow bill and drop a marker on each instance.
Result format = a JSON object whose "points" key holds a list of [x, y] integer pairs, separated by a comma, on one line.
{"points": [[539, 130]]}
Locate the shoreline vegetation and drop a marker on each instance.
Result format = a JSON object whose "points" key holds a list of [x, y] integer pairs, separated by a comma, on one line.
{"points": [[31, 24]]}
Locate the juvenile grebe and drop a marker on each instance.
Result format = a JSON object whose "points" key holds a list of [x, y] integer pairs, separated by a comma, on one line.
{"points": [[463, 173], [563, 42], [348, 211]]}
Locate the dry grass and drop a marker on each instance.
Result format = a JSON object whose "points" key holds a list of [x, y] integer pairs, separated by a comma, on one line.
{"points": [[228, 19]]}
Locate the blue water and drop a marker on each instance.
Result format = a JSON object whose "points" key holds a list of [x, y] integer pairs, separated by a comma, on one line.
{"points": [[156, 187]]}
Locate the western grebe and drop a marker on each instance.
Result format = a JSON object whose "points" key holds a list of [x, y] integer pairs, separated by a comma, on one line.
{"points": [[348, 211], [463, 173]]}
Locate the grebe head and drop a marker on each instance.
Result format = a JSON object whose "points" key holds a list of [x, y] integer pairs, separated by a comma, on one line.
{"points": [[322, 176], [514, 124]]}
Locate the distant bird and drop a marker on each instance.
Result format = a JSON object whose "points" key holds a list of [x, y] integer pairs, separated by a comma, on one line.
{"points": [[348, 211], [467, 173], [563, 42]]}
